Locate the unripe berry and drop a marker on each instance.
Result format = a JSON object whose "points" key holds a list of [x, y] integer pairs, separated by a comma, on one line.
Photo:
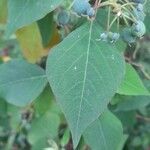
{"points": [[109, 37], [91, 12], [138, 12], [138, 1], [140, 7], [104, 36], [63, 18], [81, 6], [139, 15], [127, 36], [138, 29], [113, 37]]}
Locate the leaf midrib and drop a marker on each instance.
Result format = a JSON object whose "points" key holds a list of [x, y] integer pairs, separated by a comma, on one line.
{"points": [[84, 79]]}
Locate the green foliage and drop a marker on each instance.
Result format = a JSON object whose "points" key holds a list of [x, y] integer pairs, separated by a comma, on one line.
{"points": [[132, 85], [70, 87], [21, 82], [108, 129], [22, 13], [89, 88]]}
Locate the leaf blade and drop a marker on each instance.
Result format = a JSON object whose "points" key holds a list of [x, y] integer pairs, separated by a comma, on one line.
{"points": [[21, 82], [132, 84], [77, 75], [29, 12], [104, 133]]}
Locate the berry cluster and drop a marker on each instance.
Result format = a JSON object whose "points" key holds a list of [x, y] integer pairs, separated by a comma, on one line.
{"points": [[129, 14], [83, 8], [109, 37], [132, 13], [137, 29]]}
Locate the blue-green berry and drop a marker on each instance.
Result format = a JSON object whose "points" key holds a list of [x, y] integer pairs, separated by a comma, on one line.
{"points": [[113, 37], [138, 12], [139, 15], [81, 6], [140, 7], [91, 12], [104, 36], [138, 1], [138, 29], [63, 18], [127, 35]]}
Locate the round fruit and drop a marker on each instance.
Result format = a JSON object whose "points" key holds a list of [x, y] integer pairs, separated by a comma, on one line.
{"points": [[139, 15], [140, 7], [115, 37], [138, 29], [127, 36], [104, 36], [81, 6], [138, 1], [91, 12], [138, 12], [63, 18]]}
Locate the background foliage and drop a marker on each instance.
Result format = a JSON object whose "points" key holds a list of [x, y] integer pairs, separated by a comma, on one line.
{"points": [[60, 88]]}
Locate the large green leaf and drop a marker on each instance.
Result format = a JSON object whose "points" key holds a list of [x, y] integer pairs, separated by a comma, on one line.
{"points": [[132, 84], [105, 133], [24, 12], [84, 74], [21, 82]]}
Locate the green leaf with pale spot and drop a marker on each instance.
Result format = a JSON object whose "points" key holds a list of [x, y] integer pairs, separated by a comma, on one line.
{"points": [[21, 82], [24, 12], [132, 84], [105, 133], [84, 75]]}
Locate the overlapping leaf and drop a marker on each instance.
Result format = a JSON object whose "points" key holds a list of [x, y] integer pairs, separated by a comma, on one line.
{"points": [[24, 12], [132, 84], [21, 82], [105, 133], [31, 42], [84, 74]]}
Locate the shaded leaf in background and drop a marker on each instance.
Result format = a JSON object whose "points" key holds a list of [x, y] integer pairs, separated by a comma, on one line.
{"points": [[46, 26], [105, 133], [3, 11], [132, 103], [80, 73], [21, 82], [15, 116], [3, 107], [132, 84], [128, 118], [31, 42], [147, 19], [25, 12], [45, 126], [46, 102]]}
